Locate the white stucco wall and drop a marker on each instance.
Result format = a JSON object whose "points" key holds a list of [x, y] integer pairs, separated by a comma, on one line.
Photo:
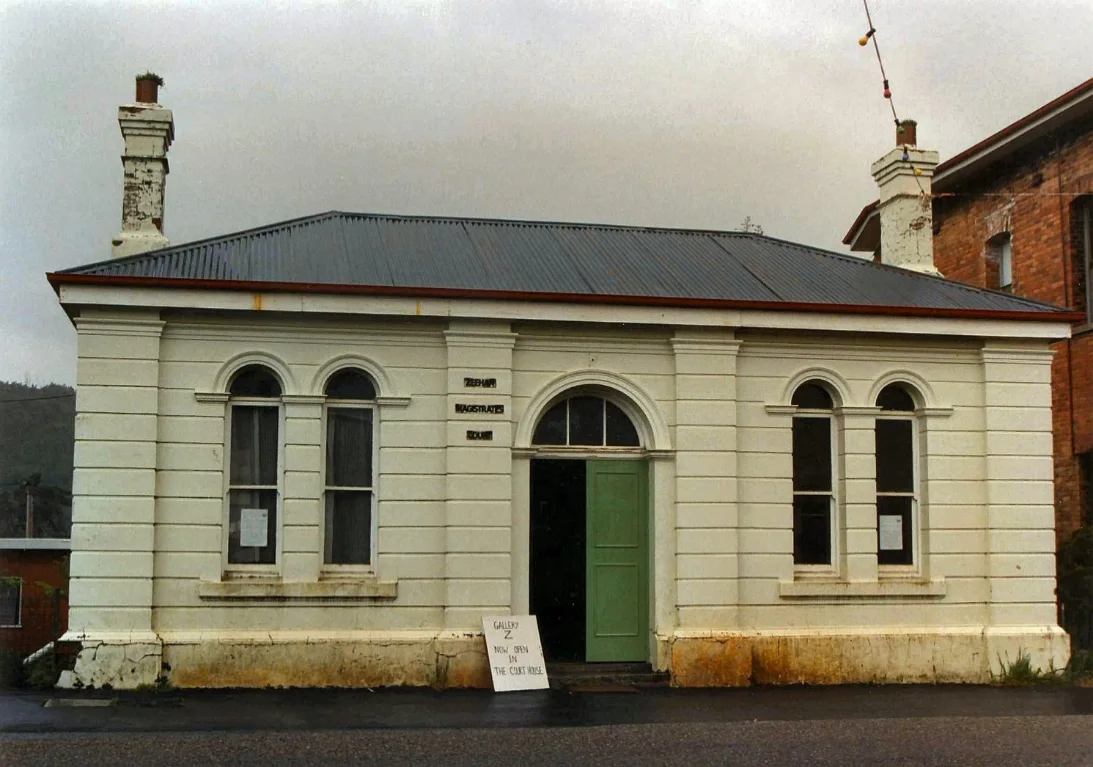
{"points": [[148, 568]]}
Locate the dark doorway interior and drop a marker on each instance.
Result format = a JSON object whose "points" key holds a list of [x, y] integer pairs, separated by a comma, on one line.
{"points": [[557, 588]]}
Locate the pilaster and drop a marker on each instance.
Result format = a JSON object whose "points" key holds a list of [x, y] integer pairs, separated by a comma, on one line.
{"points": [[1020, 490], [478, 455], [707, 578]]}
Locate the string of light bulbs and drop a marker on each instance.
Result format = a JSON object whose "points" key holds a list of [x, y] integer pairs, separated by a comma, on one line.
{"points": [[864, 41]]}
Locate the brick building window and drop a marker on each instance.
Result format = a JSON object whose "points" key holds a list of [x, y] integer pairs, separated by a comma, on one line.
{"points": [[11, 602], [1000, 262], [1085, 486], [1081, 223]]}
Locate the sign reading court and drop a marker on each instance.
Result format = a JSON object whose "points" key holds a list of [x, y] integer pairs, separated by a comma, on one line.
{"points": [[515, 652]]}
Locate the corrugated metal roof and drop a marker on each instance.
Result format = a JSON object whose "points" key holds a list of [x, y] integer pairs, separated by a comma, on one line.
{"points": [[529, 257]]}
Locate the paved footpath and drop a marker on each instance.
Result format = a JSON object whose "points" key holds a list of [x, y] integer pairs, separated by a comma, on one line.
{"points": [[913, 725]]}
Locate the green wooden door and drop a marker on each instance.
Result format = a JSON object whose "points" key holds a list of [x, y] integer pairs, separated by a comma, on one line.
{"points": [[617, 603]]}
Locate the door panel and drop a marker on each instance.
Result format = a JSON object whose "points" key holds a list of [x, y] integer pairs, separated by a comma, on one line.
{"points": [[617, 602]]}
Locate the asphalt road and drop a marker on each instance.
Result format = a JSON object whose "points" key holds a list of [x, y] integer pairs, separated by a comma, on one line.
{"points": [[806, 726], [992, 741]]}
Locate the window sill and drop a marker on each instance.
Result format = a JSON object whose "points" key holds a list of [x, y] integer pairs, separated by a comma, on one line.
{"points": [[258, 590], [825, 589]]}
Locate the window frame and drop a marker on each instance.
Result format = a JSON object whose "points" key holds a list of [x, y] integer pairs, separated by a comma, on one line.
{"points": [[19, 583], [1005, 262], [1085, 211], [915, 494], [329, 568], [568, 447], [831, 567], [245, 568]]}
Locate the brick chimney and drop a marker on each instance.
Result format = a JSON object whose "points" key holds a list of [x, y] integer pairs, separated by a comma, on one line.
{"points": [[148, 130], [904, 177]]}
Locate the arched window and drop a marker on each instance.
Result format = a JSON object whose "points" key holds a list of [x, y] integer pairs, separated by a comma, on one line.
{"points": [[349, 484], [813, 475], [586, 421], [254, 475], [897, 477]]}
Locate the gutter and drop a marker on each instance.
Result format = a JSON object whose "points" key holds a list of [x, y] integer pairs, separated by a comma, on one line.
{"points": [[57, 280]]}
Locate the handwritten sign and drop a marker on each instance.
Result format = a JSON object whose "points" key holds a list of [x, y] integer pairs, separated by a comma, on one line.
{"points": [[253, 527], [516, 654], [891, 532]]}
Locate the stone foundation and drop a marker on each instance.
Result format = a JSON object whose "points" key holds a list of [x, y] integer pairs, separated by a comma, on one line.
{"points": [[458, 660], [285, 659], [958, 655]]}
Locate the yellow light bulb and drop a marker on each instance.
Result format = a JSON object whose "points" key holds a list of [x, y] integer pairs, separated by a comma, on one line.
{"points": [[863, 40]]}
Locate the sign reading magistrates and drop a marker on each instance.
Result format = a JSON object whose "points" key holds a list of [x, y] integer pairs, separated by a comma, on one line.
{"points": [[516, 655]]}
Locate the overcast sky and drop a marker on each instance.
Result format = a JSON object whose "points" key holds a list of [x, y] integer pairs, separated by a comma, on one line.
{"points": [[689, 114]]}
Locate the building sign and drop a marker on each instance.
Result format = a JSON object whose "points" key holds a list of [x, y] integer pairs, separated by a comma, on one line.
{"points": [[515, 652], [488, 409], [480, 383], [479, 435]]}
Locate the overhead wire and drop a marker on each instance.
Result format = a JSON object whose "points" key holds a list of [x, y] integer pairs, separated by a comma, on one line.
{"points": [[864, 40]]}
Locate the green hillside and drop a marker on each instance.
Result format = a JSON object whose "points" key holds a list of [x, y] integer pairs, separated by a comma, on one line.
{"points": [[36, 434]]}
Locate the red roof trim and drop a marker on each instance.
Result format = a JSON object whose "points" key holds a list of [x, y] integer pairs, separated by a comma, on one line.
{"points": [[58, 279], [859, 222], [983, 145], [1012, 128]]}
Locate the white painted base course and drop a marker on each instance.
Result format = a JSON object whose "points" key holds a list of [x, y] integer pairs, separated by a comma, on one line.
{"points": [[458, 659]]}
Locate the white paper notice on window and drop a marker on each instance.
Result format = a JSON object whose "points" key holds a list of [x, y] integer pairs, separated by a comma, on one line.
{"points": [[253, 527], [891, 532]]}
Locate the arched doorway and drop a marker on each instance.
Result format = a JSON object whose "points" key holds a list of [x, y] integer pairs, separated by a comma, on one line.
{"points": [[589, 538]]}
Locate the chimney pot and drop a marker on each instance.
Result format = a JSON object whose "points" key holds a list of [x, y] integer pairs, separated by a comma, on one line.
{"points": [[906, 133], [148, 88]]}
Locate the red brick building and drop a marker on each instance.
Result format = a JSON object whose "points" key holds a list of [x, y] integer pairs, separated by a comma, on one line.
{"points": [[33, 592], [1015, 212]]}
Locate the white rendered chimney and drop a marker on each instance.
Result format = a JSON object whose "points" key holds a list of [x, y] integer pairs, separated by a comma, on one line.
{"points": [[147, 129], [904, 177]]}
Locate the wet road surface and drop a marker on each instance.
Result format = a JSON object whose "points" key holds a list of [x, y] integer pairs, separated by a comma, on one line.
{"points": [[844, 726]]}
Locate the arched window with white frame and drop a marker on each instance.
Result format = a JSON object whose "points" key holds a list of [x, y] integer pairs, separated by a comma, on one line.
{"points": [[254, 466], [349, 478], [813, 476], [897, 477]]}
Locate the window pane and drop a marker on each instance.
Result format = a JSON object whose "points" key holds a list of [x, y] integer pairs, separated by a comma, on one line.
{"points": [[620, 431], [551, 427], [255, 381], [10, 596], [895, 456], [350, 384], [586, 421], [812, 530], [349, 447], [895, 397], [811, 453], [246, 545], [813, 396], [895, 545], [253, 445], [348, 527], [1005, 263]]}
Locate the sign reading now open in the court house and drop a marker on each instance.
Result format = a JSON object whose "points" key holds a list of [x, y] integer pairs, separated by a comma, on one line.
{"points": [[515, 652]]}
